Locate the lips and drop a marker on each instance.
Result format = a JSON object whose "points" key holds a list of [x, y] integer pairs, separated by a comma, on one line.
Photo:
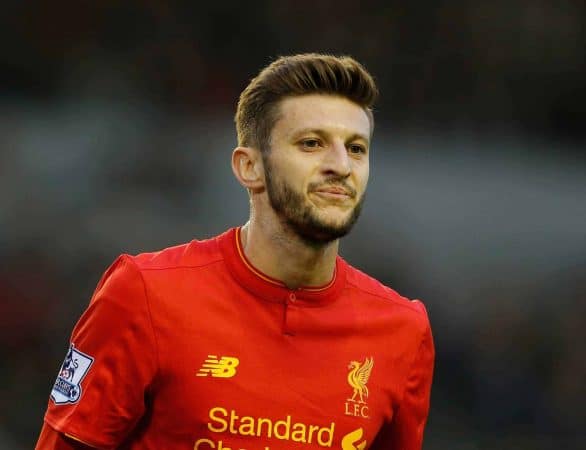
{"points": [[338, 191], [335, 191]]}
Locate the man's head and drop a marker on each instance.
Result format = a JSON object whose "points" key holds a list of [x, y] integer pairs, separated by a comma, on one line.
{"points": [[296, 75], [304, 126]]}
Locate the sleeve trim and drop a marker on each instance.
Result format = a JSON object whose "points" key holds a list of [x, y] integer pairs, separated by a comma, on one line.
{"points": [[76, 436], [70, 436]]}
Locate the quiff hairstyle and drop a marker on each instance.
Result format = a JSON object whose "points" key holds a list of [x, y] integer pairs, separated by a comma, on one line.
{"points": [[296, 75]]}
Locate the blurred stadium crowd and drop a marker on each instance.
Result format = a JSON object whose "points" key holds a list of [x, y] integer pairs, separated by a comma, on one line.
{"points": [[116, 134]]}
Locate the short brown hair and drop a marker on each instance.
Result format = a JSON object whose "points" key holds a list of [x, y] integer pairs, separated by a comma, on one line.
{"points": [[309, 73]]}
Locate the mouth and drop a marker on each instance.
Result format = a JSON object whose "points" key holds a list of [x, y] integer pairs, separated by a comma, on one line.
{"points": [[335, 192]]}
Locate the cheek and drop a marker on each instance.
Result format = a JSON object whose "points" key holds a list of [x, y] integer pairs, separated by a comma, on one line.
{"points": [[363, 174], [297, 175], [291, 178]]}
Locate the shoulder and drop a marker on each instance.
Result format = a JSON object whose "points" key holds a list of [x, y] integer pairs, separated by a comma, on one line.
{"points": [[196, 253], [386, 297], [131, 278], [132, 269]]}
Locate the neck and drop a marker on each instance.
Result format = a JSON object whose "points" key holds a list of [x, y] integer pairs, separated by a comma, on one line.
{"points": [[268, 247]]}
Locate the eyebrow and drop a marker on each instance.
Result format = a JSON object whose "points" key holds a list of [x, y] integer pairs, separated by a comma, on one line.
{"points": [[323, 134]]}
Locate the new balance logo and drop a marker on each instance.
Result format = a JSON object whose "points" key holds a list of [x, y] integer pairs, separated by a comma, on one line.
{"points": [[225, 367]]}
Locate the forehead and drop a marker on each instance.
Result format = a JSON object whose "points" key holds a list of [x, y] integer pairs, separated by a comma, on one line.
{"points": [[332, 114]]}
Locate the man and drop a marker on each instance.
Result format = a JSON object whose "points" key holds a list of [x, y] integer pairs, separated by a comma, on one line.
{"points": [[262, 338]]}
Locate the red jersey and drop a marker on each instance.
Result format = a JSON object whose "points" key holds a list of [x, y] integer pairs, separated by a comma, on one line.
{"points": [[193, 348]]}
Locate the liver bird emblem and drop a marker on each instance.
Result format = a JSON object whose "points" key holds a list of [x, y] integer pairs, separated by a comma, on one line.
{"points": [[358, 377]]}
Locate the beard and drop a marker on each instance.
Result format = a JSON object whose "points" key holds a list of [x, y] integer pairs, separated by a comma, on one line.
{"points": [[301, 217]]}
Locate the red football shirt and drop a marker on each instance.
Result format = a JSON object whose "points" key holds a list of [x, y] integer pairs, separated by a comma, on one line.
{"points": [[193, 348]]}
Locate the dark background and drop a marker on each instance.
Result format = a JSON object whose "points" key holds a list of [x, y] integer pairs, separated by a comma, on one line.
{"points": [[116, 132]]}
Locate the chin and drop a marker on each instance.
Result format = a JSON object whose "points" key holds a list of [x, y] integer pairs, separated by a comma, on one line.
{"points": [[315, 230], [318, 226]]}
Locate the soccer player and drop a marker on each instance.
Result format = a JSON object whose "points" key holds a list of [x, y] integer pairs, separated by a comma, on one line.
{"points": [[261, 338]]}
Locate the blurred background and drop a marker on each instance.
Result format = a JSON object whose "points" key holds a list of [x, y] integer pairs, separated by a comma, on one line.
{"points": [[116, 132]]}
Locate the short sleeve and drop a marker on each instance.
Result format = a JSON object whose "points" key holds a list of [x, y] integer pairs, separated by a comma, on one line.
{"points": [[409, 421], [405, 432], [99, 393]]}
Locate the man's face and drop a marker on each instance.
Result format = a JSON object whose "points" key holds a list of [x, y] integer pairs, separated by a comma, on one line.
{"points": [[317, 168]]}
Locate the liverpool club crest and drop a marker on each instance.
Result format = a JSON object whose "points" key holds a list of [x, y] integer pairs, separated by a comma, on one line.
{"points": [[358, 376]]}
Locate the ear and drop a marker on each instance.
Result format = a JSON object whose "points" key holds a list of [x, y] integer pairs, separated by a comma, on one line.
{"points": [[248, 168]]}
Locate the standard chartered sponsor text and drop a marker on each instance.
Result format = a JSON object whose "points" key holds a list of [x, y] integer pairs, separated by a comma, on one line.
{"points": [[222, 420]]}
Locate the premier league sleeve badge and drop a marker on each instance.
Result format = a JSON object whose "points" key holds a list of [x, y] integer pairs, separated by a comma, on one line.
{"points": [[67, 387]]}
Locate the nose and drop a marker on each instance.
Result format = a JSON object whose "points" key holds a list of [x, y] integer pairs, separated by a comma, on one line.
{"points": [[336, 160]]}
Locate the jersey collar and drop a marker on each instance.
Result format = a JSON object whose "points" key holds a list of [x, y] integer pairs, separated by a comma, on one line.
{"points": [[268, 288]]}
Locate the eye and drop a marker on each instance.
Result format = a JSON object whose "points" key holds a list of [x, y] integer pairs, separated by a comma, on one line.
{"points": [[311, 143], [356, 149]]}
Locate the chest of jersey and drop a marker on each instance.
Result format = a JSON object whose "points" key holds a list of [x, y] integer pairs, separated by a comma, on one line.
{"points": [[241, 373]]}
